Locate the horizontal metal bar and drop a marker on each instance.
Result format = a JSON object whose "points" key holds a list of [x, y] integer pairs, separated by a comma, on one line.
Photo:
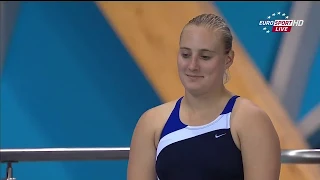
{"points": [[304, 156], [64, 154]]}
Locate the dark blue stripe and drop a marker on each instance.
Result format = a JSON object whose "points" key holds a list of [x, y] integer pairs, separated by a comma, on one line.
{"points": [[173, 123], [230, 105]]}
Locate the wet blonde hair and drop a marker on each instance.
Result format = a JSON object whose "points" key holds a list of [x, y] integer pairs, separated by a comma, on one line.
{"points": [[217, 24]]}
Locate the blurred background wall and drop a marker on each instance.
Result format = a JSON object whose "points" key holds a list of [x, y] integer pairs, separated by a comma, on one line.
{"points": [[66, 75], [265, 51]]}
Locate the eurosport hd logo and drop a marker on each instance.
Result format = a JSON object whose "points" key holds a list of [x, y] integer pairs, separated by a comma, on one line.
{"points": [[279, 22]]}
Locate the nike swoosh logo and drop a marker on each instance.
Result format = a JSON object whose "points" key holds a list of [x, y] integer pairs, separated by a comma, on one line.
{"points": [[217, 136]]}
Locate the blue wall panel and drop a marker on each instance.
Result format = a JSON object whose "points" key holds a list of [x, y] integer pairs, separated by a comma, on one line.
{"points": [[244, 18], [69, 82]]}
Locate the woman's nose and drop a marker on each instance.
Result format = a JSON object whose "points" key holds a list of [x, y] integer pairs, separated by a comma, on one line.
{"points": [[194, 64]]}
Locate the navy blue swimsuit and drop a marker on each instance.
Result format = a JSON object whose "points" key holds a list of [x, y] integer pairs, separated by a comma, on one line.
{"points": [[205, 152]]}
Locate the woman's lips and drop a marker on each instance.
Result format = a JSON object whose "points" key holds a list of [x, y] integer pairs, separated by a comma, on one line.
{"points": [[194, 77]]}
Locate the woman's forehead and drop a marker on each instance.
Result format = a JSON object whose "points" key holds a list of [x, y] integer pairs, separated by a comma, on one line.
{"points": [[199, 37]]}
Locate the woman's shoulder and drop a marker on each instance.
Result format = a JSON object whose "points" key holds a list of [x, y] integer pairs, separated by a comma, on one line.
{"points": [[157, 116], [162, 108], [246, 107], [153, 120], [248, 116]]}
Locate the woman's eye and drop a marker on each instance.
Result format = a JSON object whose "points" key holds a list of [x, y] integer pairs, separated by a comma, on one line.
{"points": [[205, 57], [185, 55]]}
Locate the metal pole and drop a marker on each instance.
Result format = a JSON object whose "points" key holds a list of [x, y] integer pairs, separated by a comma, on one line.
{"points": [[9, 156], [9, 172]]}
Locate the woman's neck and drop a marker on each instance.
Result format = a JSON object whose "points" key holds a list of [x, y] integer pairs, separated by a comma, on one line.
{"points": [[206, 100]]}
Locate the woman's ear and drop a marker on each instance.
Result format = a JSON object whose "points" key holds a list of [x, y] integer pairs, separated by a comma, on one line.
{"points": [[229, 59]]}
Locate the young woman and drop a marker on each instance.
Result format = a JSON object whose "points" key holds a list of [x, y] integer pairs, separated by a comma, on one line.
{"points": [[209, 133]]}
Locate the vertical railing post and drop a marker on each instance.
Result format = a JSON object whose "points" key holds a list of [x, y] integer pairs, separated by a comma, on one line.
{"points": [[9, 172]]}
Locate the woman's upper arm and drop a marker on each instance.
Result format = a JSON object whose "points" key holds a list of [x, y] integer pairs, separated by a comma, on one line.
{"points": [[141, 165], [260, 146]]}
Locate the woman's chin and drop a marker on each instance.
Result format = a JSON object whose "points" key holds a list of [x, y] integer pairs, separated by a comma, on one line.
{"points": [[194, 88]]}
